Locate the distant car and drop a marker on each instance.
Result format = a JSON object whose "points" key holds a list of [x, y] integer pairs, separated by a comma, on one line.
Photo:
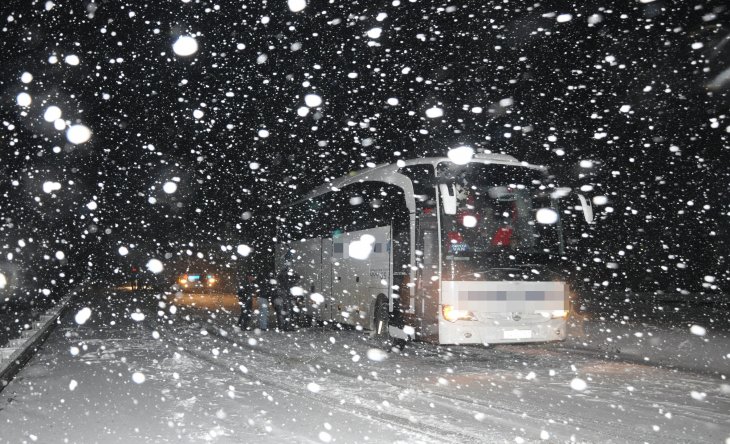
{"points": [[193, 282]]}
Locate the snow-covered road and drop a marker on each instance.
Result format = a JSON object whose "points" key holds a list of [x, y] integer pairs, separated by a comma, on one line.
{"points": [[139, 370]]}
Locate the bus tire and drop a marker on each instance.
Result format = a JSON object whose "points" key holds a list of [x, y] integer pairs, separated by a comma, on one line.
{"points": [[398, 344], [381, 319], [309, 321]]}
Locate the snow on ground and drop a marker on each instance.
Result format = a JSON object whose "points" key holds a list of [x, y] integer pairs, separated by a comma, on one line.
{"points": [[137, 372], [674, 346]]}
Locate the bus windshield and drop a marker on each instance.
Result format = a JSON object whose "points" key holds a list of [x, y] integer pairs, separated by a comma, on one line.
{"points": [[506, 217]]}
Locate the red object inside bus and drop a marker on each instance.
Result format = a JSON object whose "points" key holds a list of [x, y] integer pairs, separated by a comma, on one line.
{"points": [[502, 237]]}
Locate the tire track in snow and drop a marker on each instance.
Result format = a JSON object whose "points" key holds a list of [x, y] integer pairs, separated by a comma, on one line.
{"points": [[498, 412], [435, 434], [507, 415], [465, 407]]}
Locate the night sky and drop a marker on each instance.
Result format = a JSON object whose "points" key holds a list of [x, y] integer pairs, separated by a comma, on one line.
{"points": [[640, 89]]}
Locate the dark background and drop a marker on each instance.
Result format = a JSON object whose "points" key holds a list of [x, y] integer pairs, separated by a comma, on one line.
{"points": [[663, 165]]}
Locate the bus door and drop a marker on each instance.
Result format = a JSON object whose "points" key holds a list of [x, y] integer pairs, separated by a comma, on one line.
{"points": [[340, 276], [427, 283], [325, 289], [377, 271], [308, 265]]}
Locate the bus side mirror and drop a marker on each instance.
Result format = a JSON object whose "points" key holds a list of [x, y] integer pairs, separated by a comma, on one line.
{"points": [[585, 204], [448, 198]]}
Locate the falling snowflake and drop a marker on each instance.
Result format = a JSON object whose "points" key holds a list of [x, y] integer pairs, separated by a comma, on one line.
{"points": [[155, 266], [138, 377], [185, 46], [82, 315]]}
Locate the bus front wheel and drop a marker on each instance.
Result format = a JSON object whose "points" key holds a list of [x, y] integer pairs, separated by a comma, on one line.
{"points": [[381, 319]]}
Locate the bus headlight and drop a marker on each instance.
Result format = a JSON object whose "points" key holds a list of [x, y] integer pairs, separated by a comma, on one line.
{"points": [[452, 315], [554, 314]]}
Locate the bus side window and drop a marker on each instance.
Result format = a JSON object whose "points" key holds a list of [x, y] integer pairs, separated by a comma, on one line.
{"points": [[373, 191], [394, 212], [423, 180], [306, 217], [373, 204], [359, 210], [290, 223], [422, 177], [302, 220], [337, 219], [324, 219], [363, 203]]}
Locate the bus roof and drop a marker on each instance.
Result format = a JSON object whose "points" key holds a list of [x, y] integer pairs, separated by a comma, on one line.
{"points": [[386, 172]]}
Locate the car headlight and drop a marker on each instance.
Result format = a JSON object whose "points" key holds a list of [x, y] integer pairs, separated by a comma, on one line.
{"points": [[451, 314]]}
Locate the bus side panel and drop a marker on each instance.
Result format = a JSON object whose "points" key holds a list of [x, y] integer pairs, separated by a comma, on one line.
{"points": [[307, 264], [349, 285], [361, 271]]}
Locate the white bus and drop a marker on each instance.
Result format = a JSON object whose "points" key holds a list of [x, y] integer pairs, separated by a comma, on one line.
{"points": [[431, 250]]}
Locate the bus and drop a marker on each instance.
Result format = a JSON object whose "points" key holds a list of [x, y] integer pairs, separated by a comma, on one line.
{"points": [[428, 249]]}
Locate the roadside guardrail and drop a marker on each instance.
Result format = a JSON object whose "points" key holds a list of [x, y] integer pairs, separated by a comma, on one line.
{"points": [[17, 352]]}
